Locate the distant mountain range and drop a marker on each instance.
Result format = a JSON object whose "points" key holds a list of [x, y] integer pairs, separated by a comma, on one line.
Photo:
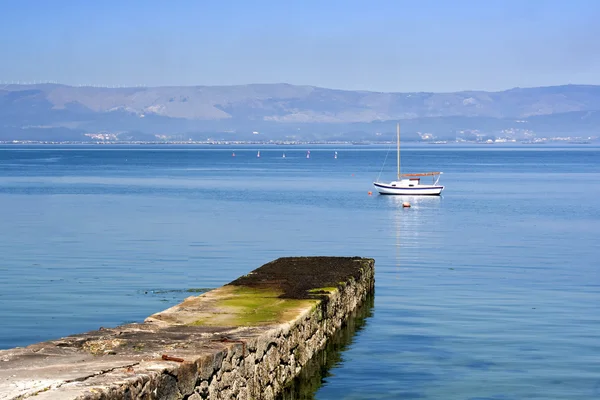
{"points": [[286, 112]]}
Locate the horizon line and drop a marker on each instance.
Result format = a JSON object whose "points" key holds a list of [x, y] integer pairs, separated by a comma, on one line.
{"points": [[144, 86]]}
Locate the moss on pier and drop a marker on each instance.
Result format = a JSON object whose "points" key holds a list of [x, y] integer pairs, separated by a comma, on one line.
{"points": [[323, 290], [277, 292], [299, 277], [244, 306]]}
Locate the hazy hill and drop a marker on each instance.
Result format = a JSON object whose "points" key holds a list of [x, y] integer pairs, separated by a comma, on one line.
{"points": [[280, 110]]}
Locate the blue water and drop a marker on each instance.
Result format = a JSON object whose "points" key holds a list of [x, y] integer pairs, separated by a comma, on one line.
{"points": [[490, 292]]}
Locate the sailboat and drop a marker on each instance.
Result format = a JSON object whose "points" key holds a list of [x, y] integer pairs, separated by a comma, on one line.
{"points": [[410, 184], [258, 154], [335, 155]]}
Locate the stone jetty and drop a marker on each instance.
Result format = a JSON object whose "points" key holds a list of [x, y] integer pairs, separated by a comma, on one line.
{"points": [[246, 340]]}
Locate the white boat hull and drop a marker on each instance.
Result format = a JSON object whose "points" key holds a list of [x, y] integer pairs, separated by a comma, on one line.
{"points": [[416, 190]]}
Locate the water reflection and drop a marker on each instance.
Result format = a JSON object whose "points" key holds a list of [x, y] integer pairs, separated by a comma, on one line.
{"points": [[315, 372], [415, 201], [409, 223]]}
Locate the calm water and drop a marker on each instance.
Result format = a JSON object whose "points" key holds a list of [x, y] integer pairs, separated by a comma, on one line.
{"points": [[489, 292]]}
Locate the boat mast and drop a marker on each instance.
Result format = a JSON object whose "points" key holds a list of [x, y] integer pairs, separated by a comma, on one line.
{"points": [[398, 150]]}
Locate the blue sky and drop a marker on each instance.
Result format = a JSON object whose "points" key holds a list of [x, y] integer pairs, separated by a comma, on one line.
{"points": [[401, 45]]}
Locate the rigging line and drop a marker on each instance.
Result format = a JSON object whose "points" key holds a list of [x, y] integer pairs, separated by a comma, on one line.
{"points": [[384, 160]]}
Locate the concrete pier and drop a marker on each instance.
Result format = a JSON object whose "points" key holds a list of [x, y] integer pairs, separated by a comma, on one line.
{"points": [[246, 340]]}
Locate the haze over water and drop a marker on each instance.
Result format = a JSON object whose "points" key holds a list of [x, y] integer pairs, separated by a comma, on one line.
{"points": [[489, 292]]}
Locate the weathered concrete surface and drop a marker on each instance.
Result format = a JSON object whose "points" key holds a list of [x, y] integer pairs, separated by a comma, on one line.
{"points": [[245, 340]]}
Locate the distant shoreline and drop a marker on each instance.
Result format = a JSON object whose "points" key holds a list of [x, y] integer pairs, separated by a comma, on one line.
{"points": [[560, 141]]}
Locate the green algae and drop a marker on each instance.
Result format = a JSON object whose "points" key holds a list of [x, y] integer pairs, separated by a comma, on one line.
{"points": [[247, 306], [278, 292], [330, 289], [323, 290]]}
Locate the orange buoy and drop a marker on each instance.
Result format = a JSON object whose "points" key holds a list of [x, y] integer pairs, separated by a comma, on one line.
{"points": [[406, 204], [370, 193]]}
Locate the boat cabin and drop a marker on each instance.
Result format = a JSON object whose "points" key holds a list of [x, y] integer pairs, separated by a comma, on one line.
{"points": [[407, 182]]}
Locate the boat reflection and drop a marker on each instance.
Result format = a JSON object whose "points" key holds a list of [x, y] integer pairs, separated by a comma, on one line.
{"points": [[413, 228], [416, 202], [319, 367]]}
